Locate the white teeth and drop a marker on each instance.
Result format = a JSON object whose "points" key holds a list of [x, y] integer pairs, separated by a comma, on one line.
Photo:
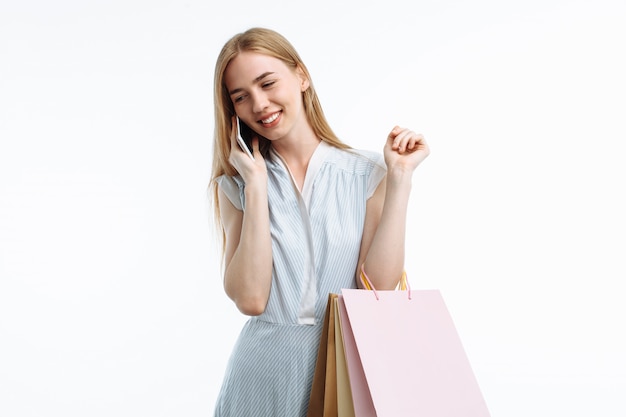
{"points": [[270, 119]]}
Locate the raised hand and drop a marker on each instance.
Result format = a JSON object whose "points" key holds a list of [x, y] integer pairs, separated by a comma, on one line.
{"points": [[405, 149], [248, 168]]}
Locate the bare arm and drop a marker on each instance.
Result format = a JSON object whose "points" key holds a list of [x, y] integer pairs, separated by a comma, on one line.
{"points": [[383, 245], [248, 251]]}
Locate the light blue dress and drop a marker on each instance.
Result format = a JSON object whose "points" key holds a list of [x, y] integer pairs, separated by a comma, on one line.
{"points": [[316, 237]]}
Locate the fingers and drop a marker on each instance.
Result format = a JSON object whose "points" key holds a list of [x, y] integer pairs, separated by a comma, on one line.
{"points": [[234, 146], [405, 140], [239, 157], [233, 132]]}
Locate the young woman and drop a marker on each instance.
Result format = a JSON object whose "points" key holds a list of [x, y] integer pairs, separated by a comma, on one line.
{"points": [[299, 219]]}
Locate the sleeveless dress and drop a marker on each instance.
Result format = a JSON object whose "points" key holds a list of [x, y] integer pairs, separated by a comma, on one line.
{"points": [[316, 236]]}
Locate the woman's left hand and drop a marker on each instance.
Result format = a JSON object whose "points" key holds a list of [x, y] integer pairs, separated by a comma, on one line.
{"points": [[405, 149]]}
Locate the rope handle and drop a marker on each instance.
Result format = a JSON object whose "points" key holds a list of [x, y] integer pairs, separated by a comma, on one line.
{"points": [[403, 284]]}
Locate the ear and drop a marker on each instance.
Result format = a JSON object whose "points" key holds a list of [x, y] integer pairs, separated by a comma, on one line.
{"points": [[304, 80]]}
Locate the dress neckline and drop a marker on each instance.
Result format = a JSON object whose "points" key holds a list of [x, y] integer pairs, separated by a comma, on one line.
{"points": [[315, 163]]}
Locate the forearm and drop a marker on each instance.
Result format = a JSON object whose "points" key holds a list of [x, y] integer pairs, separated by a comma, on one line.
{"points": [[248, 275], [385, 260]]}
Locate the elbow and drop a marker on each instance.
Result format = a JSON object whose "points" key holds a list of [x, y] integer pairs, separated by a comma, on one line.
{"points": [[250, 302], [251, 306], [249, 297]]}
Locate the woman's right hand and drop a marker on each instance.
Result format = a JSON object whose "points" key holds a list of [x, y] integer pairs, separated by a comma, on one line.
{"points": [[249, 169], [248, 243]]}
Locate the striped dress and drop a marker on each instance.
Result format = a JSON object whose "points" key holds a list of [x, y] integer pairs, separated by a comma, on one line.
{"points": [[316, 237]]}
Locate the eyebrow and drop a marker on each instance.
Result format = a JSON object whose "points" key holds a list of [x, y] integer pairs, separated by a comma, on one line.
{"points": [[256, 80]]}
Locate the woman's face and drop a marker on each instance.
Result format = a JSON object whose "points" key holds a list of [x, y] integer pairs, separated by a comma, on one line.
{"points": [[267, 95]]}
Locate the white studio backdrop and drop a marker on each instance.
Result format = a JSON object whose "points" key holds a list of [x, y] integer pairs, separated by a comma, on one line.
{"points": [[111, 302]]}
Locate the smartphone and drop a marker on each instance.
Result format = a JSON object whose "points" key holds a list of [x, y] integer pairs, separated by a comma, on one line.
{"points": [[244, 137]]}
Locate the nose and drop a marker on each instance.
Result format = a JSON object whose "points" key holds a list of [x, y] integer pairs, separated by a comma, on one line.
{"points": [[260, 102]]}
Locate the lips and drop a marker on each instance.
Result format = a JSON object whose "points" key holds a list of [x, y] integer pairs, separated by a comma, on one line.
{"points": [[268, 121]]}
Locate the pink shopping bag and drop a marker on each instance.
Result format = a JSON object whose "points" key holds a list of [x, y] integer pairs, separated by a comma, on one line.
{"points": [[404, 356]]}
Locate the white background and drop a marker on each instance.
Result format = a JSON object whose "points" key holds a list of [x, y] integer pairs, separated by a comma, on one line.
{"points": [[111, 301]]}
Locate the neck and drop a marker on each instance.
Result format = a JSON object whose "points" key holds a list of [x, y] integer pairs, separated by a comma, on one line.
{"points": [[298, 152], [297, 157]]}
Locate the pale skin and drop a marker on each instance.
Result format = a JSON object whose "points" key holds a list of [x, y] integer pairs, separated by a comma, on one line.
{"points": [[267, 95]]}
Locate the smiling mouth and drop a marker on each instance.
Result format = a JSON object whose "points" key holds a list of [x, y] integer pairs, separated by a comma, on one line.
{"points": [[270, 119]]}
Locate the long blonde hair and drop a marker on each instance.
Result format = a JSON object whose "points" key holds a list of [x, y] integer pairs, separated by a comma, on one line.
{"points": [[267, 42]]}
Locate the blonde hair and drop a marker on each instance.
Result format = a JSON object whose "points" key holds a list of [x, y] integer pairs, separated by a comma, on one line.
{"points": [[271, 43]]}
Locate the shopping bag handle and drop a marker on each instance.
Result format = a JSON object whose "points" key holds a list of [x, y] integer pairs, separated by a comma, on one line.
{"points": [[403, 285]]}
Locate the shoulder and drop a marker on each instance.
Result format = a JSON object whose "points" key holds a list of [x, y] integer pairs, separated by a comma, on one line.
{"points": [[359, 163], [233, 187], [357, 160]]}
